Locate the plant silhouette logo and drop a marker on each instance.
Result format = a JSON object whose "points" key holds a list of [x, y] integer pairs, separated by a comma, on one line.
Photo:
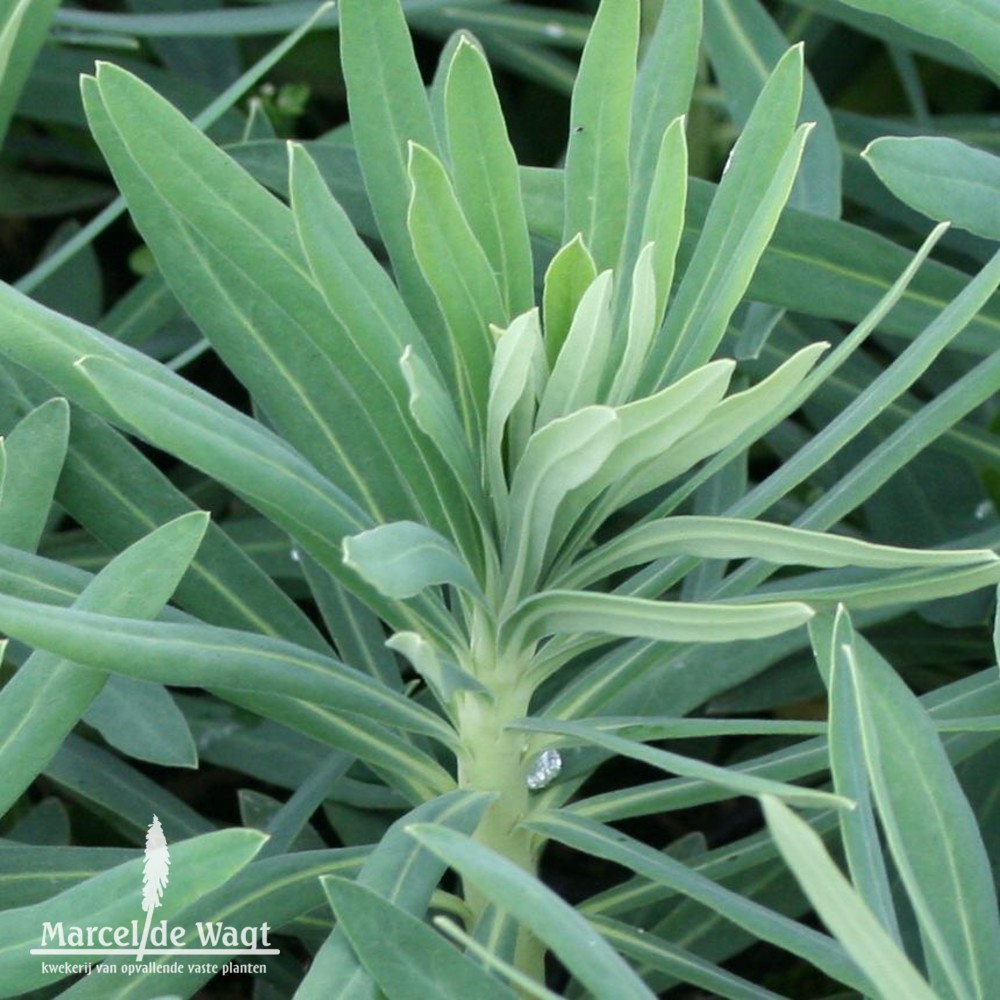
{"points": [[157, 937], [155, 873]]}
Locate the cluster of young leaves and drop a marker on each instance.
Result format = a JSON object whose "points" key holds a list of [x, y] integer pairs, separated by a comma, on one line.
{"points": [[443, 433]]}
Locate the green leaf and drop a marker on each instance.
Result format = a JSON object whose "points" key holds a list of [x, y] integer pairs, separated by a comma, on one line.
{"points": [[206, 656], [832, 645], [389, 110], [643, 324], [943, 178], [101, 782], [597, 158], [584, 952], [433, 411], [222, 240], [420, 963], [403, 558], [513, 389], [841, 908], [34, 452], [557, 611], [24, 26], [571, 272], [30, 874], [375, 321], [664, 956], [562, 455], [604, 842], [462, 278], [484, 168], [583, 733], [234, 449], [744, 44], [971, 25], [581, 367], [930, 828], [663, 224], [445, 677], [663, 90], [143, 721], [405, 874], [744, 212], [48, 695], [111, 899], [732, 538]]}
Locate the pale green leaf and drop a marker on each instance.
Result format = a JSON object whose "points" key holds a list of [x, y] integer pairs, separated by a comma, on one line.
{"points": [[943, 178], [34, 451], [420, 962], [583, 733], [48, 695], [578, 945], [580, 369], [930, 828], [463, 281], [842, 909], [597, 158], [404, 558], [570, 273], [486, 178]]}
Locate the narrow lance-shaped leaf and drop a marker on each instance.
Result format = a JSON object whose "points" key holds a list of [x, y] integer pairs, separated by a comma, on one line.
{"points": [[930, 828], [420, 963], [405, 874], [841, 909], [737, 783], [597, 167], [562, 455], [486, 178], [663, 89], [580, 368], [373, 316], [222, 240], [389, 110], [738, 226], [457, 270], [733, 538], [48, 695], [833, 646], [554, 612], [205, 656], [744, 43], [591, 959]]}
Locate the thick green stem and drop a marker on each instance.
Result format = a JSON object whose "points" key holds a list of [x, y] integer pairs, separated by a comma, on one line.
{"points": [[493, 761]]}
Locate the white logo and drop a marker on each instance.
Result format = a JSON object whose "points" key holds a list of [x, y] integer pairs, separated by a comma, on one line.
{"points": [[160, 938], [155, 872]]}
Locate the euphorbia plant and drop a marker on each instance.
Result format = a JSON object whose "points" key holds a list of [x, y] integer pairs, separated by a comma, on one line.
{"points": [[483, 458]]}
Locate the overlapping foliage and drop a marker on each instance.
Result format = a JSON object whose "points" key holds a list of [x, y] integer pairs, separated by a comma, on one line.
{"points": [[598, 458]]}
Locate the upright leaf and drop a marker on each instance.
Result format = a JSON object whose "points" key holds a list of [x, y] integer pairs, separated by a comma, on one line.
{"points": [[597, 159], [484, 168], [463, 281], [930, 828]]}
